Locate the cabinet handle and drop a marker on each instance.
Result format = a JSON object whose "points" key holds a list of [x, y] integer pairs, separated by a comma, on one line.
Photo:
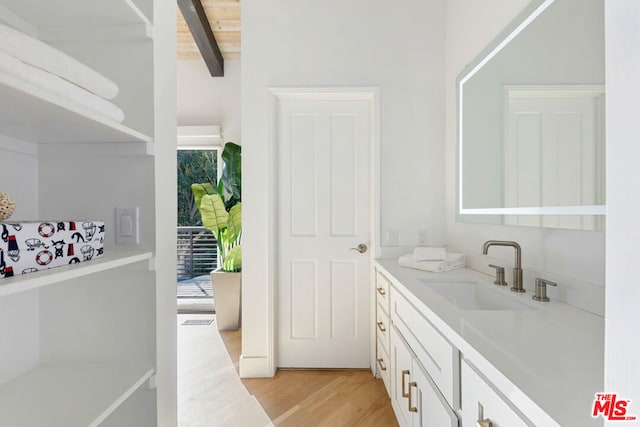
{"points": [[411, 407], [484, 423], [404, 393], [381, 327], [381, 291], [382, 367]]}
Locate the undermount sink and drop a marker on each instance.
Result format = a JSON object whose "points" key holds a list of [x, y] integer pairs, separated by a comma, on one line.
{"points": [[471, 296]]}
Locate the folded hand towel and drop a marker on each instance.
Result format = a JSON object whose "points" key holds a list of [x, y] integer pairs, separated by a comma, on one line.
{"points": [[452, 261], [54, 85], [423, 253], [41, 55]]}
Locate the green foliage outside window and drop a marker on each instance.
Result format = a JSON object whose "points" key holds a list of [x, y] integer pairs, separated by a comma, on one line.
{"points": [[194, 166]]}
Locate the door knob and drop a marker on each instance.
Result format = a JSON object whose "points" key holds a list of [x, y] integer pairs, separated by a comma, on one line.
{"points": [[362, 248]]}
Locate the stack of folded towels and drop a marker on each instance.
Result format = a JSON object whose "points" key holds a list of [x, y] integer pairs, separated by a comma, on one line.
{"points": [[432, 259], [36, 63]]}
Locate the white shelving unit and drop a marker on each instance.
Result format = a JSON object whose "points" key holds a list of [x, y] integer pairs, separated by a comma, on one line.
{"points": [[113, 259], [69, 395], [74, 12], [80, 344], [32, 114], [36, 115]]}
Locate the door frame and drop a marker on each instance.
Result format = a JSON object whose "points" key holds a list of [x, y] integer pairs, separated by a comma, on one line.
{"points": [[276, 95]]}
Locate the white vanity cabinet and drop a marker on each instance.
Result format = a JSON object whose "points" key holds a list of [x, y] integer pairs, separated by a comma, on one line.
{"points": [[421, 367], [483, 365], [428, 380], [481, 402], [415, 398]]}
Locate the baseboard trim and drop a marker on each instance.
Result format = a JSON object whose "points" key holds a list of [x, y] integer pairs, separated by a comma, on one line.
{"points": [[256, 367]]}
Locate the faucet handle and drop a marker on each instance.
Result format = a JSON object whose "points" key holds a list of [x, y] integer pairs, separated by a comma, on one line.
{"points": [[541, 289], [499, 275]]}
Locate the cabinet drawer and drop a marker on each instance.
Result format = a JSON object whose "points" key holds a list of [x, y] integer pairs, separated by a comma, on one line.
{"points": [[435, 353], [383, 366], [382, 328], [481, 401], [382, 291]]}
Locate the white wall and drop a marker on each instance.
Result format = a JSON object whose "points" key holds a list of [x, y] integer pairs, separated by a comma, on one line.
{"points": [[165, 210], [206, 100], [574, 259], [19, 176], [398, 48], [77, 181], [622, 343]]}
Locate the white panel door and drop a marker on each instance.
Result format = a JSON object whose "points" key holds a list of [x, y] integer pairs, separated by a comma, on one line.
{"points": [[323, 205]]}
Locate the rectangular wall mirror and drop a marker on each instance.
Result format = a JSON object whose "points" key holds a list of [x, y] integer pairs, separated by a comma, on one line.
{"points": [[531, 140]]}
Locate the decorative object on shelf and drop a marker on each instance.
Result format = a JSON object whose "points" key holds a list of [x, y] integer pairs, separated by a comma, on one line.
{"points": [[221, 212], [27, 247], [7, 206]]}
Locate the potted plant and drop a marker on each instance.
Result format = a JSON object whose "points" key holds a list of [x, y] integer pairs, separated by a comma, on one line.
{"points": [[221, 211]]}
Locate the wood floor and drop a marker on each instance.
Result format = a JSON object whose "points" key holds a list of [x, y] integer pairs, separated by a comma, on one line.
{"points": [[318, 397]]}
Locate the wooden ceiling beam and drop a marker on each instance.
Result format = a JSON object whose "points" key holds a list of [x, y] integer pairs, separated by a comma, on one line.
{"points": [[196, 19]]}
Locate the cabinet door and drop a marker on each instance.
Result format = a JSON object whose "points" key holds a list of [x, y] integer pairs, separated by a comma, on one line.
{"points": [[481, 402], [432, 409], [401, 366]]}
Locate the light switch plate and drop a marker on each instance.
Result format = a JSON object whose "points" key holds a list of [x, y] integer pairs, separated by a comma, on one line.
{"points": [[392, 238], [422, 238], [127, 226]]}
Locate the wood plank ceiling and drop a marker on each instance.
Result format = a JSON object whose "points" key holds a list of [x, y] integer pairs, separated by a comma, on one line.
{"points": [[224, 18]]}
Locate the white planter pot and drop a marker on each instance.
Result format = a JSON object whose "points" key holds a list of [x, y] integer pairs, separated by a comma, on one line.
{"points": [[226, 292]]}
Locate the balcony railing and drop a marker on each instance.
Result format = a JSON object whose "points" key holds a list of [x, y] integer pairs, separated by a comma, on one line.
{"points": [[197, 252]]}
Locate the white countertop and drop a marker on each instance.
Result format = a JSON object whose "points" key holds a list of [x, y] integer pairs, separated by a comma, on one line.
{"points": [[552, 355]]}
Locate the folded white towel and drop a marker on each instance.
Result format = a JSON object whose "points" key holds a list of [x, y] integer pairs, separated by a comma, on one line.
{"points": [[41, 55], [452, 261], [54, 85], [425, 253]]}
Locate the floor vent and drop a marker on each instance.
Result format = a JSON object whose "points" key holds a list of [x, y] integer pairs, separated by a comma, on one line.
{"points": [[198, 322]]}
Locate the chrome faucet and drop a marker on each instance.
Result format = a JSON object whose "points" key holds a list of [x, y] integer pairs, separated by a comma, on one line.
{"points": [[517, 270]]}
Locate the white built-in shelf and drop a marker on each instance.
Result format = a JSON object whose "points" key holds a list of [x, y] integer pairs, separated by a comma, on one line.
{"points": [[78, 394], [110, 259], [32, 114], [70, 13]]}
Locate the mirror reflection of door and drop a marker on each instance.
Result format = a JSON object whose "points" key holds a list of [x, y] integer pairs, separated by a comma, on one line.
{"points": [[554, 152]]}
